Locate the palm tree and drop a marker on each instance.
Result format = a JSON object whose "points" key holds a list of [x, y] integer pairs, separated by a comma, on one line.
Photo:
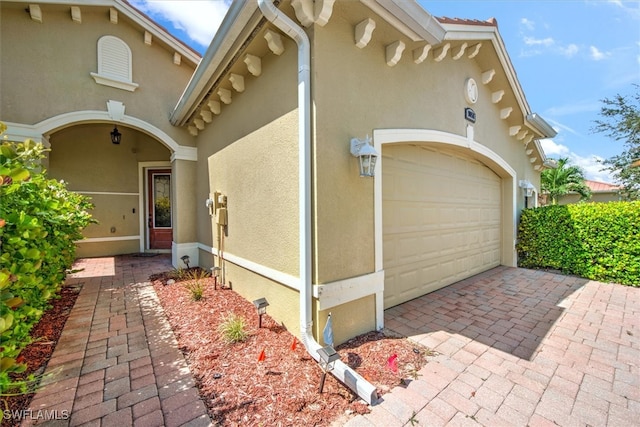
{"points": [[564, 179]]}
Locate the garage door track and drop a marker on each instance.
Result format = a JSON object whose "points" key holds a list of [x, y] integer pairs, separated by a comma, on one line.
{"points": [[516, 347]]}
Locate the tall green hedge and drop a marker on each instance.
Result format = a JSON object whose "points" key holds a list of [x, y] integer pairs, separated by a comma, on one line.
{"points": [[40, 220], [598, 241]]}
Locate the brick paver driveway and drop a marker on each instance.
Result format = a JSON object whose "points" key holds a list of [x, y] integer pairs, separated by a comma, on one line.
{"points": [[519, 347]]}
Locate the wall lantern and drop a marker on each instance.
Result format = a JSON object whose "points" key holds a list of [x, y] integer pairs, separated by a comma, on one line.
{"points": [[527, 187], [328, 356], [116, 136], [261, 305], [366, 154]]}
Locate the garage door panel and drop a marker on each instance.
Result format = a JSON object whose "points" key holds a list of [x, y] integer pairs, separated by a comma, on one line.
{"points": [[441, 220]]}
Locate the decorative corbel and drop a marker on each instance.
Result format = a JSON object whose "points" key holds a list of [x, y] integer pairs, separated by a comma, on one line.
{"points": [[35, 12], [274, 41], [76, 15], [113, 15], [177, 58], [193, 131], [206, 115], [364, 31], [254, 64], [199, 123], [487, 76], [497, 96], [394, 52], [474, 50], [237, 82], [523, 133], [225, 95], [323, 11], [304, 11], [441, 52], [214, 106], [513, 130], [457, 55], [148, 38], [505, 113], [421, 53]]}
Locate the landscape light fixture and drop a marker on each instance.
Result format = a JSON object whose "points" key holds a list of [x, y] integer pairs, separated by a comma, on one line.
{"points": [[185, 259], [366, 154], [116, 136], [261, 305], [328, 356], [215, 272]]}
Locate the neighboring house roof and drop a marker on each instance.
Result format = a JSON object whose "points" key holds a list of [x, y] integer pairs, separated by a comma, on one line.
{"points": [[602, 187], [491, 22]]}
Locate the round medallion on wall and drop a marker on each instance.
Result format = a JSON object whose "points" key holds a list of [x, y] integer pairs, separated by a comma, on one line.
{"points": [[470, 91]]}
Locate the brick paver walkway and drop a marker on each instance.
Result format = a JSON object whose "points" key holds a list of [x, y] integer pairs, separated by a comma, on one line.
{"points": [[513, 347], [117, 362], [519, 347]]}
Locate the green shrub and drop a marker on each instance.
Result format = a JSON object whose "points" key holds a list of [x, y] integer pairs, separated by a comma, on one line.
{"points": [[233, 329], [40, 220], [598, 241]]}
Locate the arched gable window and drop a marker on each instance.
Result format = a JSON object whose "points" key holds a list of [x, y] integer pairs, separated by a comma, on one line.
{"points": [[114, 64]]}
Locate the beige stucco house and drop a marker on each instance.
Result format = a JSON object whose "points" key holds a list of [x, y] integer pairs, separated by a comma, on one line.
{"points": [[251, 146]]}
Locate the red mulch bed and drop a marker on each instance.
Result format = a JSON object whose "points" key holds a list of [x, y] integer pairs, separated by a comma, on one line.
{"points": [[282, 390], [45, 335]]}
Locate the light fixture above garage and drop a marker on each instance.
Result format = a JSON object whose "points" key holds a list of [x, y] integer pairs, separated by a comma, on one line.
{"points": [[366, 154], [527, 187], [116, 136]]}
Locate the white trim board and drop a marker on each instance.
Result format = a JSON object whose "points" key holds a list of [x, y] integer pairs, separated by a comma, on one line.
{"points": [[328, 294]]}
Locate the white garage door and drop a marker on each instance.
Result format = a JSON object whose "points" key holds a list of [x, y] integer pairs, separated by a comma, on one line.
{"points": [[441, 220]]}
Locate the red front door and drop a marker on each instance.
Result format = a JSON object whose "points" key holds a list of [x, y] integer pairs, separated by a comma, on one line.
{"points": [[159, 221]]}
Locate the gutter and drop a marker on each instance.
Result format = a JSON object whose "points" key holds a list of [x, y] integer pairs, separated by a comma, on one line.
{"points": [[537, 123], [341, 371]]}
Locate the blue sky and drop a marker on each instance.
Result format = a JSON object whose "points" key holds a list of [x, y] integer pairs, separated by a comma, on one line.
{"points": [[568, 55]]}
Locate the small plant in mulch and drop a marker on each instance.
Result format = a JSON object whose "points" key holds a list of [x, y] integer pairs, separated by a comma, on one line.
{"points": [[233, 329], [196, 286]]}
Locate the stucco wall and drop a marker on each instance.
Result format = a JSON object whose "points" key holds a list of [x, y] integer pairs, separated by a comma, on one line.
{"points": [[86, 159], [249, 153], [46, 68], [355, 92]]}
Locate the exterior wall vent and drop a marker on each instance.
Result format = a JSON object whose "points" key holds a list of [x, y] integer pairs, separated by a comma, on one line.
{"points": [[114, 64]]}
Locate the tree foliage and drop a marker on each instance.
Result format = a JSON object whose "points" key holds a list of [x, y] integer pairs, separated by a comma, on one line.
{"points": [[40, 220], [599, 241], [621, 121], [563, 180]]}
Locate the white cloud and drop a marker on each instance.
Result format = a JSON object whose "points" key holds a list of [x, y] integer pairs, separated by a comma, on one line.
{"points": [[199, 19], [532, 41], [590, 165], [528, 24], [585, 106], [551, 149], [569, 50], [596, 54]]}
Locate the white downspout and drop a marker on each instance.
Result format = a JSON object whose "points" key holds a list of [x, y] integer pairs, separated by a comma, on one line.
{"points": [[341, 371]]}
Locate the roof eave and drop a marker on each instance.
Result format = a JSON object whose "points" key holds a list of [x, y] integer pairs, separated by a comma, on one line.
{"points": [[136, 16], [242, 15], [409, 18]]}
